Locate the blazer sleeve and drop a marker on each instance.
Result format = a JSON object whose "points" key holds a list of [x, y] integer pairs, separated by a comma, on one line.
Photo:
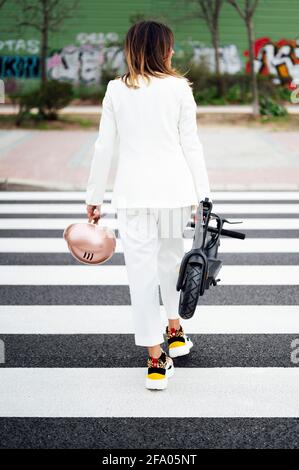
{"points": [[191, 144], [104, 149]]}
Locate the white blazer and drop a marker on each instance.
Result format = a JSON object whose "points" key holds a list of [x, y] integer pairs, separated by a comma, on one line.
{"points": [[153, 131]]}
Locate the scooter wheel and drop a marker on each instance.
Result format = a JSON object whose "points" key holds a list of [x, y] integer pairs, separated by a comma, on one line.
{"points": [[190, 291]]}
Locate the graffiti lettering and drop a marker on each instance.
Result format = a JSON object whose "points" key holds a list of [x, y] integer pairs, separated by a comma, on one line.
{"points": [[31, 46], [96, 38], [19, 66], [76, 64], [2, 92], [279, 58], [230, 61], [83, 64]]}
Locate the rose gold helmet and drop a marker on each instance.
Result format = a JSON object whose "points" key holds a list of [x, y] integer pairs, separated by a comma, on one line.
{"points": [[90, 243]]}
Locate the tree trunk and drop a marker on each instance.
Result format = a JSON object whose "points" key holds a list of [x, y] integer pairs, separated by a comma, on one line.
{"points": [[44, 43], [43, 57], [255, 103], [215, 40]]}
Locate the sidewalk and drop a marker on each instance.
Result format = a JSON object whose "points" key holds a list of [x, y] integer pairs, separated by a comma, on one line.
{"points": [[238, 158]]}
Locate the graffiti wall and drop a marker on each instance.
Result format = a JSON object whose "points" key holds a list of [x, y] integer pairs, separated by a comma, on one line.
{"points": [[93, 53], [230, 61], [78, 64], [279, 58]]}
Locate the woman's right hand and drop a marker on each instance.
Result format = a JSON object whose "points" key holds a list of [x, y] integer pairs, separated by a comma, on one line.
{"points": [[93, 213]]}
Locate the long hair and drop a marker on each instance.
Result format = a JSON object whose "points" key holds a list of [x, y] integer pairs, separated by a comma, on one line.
{"points": [[147, 46]]}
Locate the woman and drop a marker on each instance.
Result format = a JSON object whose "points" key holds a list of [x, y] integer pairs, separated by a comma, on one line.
{"points": [[149, 118]]}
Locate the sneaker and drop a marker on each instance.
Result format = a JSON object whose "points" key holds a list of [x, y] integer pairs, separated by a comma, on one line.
{"points": [[179, 344], [159, 370]]}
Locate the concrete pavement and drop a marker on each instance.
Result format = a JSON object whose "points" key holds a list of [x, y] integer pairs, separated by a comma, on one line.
{"points": [[238, 158]]}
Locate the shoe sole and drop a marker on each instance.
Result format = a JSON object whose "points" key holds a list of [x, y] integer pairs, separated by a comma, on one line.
{"points": [[180, 350], [159, 384]]}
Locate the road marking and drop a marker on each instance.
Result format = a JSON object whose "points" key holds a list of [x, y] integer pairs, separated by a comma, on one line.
{"points": [[80, 195], [117, 319], [120, 392], [60, 223], [218, 208]]}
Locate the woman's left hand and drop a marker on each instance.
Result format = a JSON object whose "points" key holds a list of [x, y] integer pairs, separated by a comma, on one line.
{"points": [[194, 217]]}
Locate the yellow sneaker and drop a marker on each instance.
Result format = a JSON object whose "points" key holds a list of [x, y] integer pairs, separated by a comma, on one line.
{"points": [[159, 371], [179, 344]]}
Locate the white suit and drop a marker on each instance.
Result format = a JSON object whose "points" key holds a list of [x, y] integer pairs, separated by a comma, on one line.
{"points": [[161, 173], [154, 131]]}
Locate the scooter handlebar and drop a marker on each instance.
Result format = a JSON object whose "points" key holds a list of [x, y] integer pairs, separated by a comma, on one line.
{"points": [[224, 232], [228, 233]]}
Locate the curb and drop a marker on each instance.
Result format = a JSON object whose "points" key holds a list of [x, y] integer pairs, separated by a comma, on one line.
{"points": [[15, 184], [201, 109], [6, 184]]}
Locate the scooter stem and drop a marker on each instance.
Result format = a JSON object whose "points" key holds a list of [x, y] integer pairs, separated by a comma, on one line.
{"points": [[199, 228]]}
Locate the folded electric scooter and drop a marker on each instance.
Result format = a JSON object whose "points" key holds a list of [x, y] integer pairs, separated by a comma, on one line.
{"points": [[200, 266]]}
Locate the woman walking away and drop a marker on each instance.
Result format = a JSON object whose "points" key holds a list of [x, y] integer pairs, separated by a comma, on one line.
{"points": [[149, 118]]}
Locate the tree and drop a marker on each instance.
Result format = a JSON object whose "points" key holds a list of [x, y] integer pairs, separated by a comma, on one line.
{"points": [[45, 16], [208, 11], [247, 16]]}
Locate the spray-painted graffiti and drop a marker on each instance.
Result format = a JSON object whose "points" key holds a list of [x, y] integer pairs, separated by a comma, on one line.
{"points": [[76, 64], [83, 64], [230, 61], [19, 66], [96, 38], [31, 46], [279, 58]]}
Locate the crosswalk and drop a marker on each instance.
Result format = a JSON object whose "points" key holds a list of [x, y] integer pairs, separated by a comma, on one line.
{"points": [[70, 373]]}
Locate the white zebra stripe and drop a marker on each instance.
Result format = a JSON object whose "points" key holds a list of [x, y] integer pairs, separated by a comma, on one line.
{"points": [[117, 319], [60, 224], [80, 195], [120, 392], [53, 208]]}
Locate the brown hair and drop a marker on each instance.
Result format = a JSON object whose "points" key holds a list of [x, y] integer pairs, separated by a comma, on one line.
{"points": [[147, 46]]}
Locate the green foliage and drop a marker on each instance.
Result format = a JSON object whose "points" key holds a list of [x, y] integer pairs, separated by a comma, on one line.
{"points": [[47, 99], [54, 95], [268, 107], [236, 88], [283, 93], [92, 93]]}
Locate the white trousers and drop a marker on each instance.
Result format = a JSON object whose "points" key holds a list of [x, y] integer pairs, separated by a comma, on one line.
{"points": [[153, 245]]}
